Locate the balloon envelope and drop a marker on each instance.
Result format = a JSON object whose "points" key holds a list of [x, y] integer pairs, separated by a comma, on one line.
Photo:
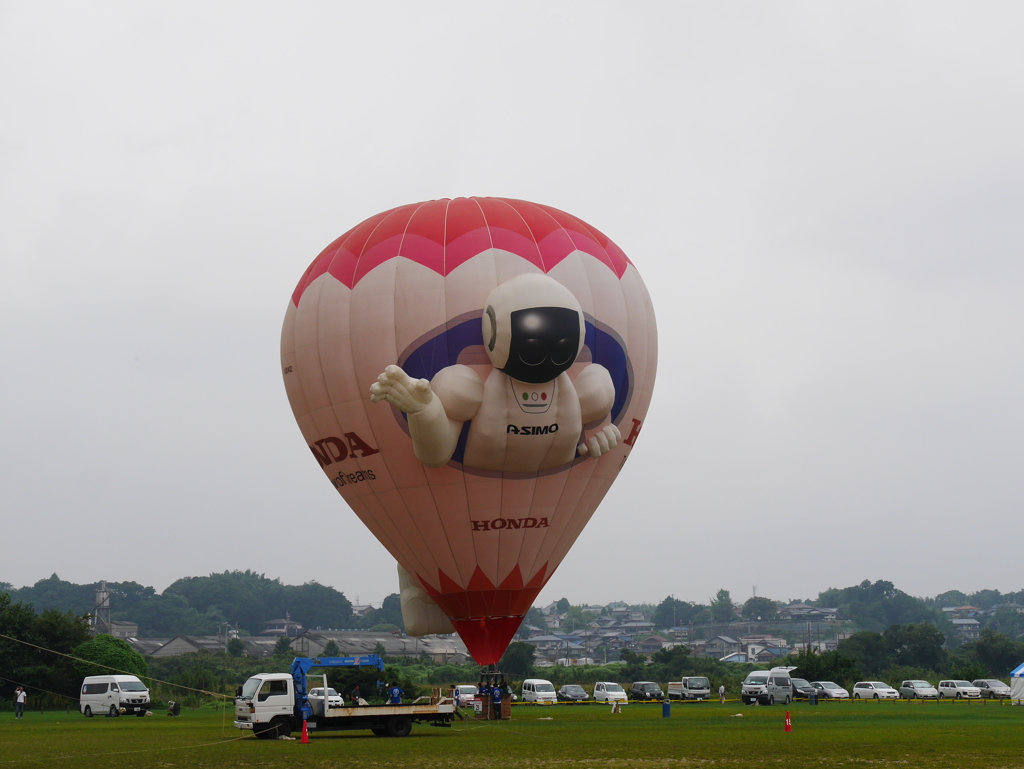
{"points": [[538, 341]]}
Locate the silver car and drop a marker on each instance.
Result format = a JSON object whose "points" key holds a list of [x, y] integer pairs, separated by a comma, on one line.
{"points": [[918, 690], [830, 690], [992, 688]]}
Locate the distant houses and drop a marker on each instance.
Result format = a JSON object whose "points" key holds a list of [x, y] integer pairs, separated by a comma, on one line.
{"points": [[604, 636], [449, 648]]}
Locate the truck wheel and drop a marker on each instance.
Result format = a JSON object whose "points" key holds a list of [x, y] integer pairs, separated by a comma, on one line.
{"points": [[88, 712], [398, 726], [788, 699], [283, 727], [113, 712]]}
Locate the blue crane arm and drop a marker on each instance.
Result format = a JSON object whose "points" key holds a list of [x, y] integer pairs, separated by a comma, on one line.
{"points": [[302, 665]]}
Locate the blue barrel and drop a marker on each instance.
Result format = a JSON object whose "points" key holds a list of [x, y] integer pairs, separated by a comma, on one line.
{"points": [[812, 698], [666, 708]]}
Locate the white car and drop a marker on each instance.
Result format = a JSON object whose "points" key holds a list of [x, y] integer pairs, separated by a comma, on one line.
{"points": [[958, 689], [608, 691], [874, 690], [465, 693], [316, 696], [831, 690]]}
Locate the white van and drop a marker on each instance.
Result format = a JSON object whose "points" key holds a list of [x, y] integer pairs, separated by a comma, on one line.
{"points": [[113, 695], [538, 690], [465, 694], [609, 691], [768, 686]]}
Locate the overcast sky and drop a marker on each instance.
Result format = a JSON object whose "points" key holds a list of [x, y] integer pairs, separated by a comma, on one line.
{"points": [[825, 201]]}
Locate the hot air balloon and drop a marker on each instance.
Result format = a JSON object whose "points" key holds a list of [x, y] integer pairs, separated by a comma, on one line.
{"points": [[471, 374]]}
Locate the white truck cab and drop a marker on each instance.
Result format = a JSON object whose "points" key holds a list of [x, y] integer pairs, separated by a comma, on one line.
{"points": [[269, 705], [690, 688]]}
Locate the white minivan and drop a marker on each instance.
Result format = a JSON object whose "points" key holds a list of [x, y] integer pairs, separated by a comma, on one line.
{"points": [[113, 695], [538, 690], [609, 691]]}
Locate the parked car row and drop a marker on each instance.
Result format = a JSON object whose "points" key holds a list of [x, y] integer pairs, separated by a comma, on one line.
{"points": [[764, 686], [776, 685], [539, 690], [914, 689]]}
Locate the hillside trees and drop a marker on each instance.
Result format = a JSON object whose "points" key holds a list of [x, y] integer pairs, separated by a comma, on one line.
{"points": [[674, 613], [105, 655], [721, 606], [32, 665], [917, 645], [577, 618], [875, 606], [825, 666], [249, 599], [909, 646], [518, 659], [997, 653], [535, 617], [759, 608], [389, 613]]}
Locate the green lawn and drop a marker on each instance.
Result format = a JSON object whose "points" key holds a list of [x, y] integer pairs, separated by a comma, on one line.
{"points": [[847, 734]]}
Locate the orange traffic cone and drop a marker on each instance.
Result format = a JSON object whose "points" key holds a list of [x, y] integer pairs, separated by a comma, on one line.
{"points": [[305, 730], [789, 724]]}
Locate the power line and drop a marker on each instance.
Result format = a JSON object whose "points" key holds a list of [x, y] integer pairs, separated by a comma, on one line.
{"points": [[116, 670]]}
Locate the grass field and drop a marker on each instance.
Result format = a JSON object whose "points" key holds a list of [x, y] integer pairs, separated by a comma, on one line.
{"points": [[841, 734]]}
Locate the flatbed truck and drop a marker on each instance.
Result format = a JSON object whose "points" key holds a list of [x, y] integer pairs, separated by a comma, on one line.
{"points": [[276, 704]]}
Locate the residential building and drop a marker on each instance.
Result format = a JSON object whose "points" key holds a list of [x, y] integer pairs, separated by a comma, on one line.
{"points": [[720, 646]]}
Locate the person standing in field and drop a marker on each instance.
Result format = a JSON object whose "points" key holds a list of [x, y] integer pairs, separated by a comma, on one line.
{"points": [[20, 695], [721, 693]]}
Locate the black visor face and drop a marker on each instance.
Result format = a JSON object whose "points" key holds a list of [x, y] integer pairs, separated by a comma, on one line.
{"points": [[545, 341]]}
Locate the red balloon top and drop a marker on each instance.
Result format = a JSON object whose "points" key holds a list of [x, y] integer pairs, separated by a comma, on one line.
{"points": [[442, 234]]}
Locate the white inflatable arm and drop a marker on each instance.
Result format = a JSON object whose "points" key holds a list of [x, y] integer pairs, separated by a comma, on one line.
{"points": [[419, 612], [597, 394], [434, 432]]}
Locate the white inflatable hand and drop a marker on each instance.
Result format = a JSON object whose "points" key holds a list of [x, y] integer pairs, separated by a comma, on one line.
{"points": [[401, 391], [603, 441]]}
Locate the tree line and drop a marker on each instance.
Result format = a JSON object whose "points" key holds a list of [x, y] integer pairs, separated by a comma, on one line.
{"points": [[206, 605], [872, 606], [36, 659]]}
